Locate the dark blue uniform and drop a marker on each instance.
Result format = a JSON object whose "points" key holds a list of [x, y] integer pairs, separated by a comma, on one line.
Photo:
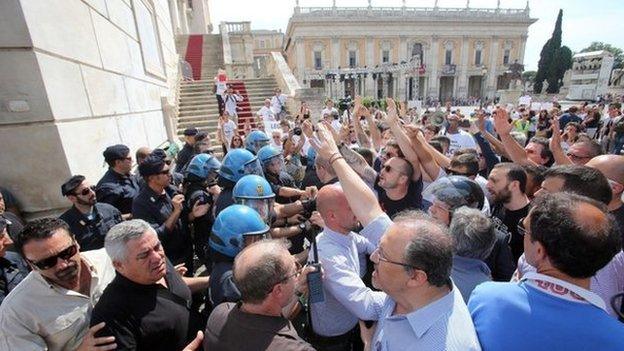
{"points": [[91, 230], [13, 270], [222, 287], [155, 209], [117, 190], [184, 157]]}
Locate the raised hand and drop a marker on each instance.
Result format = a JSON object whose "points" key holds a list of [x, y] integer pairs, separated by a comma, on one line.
{"points": [[93, 343], [324, 144], [501, 122], [307, 129]]}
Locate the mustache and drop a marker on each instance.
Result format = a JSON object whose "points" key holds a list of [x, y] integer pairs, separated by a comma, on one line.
{"points": [[68, 273]]}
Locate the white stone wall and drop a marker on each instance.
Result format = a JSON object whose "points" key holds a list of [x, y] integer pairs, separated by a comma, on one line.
{"points": [[92, 73]]}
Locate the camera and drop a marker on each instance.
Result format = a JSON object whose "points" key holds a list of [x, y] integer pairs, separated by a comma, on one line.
{"points": [[297, 131], [335, 115], [345, 104]]}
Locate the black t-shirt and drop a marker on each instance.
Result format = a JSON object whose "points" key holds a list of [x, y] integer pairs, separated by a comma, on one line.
{"points": [[146, 317], [509, 223], [411, 200]]}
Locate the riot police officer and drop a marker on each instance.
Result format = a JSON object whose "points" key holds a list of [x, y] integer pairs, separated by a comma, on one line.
{"points": [[236, 164], [256, 140]]}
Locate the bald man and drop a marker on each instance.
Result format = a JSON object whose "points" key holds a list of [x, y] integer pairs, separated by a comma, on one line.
{"points": [[268, 279], [342, 255], [612, 166]]}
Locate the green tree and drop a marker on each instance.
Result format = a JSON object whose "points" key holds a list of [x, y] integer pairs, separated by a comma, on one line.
{"points": [[554, 60], [528, 76], [618, 54]]}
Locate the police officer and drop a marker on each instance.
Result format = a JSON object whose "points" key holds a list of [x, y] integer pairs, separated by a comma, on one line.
{"points": [[191, 136], [88, 220], [201, 189], [13, 269], [256, 140], [164, 212], [283, 183], [234, 228], [236, 164], [117, 187]]}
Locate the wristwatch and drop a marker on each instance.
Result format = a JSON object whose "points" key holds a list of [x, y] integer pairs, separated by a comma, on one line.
{"points": [[302, 226]]}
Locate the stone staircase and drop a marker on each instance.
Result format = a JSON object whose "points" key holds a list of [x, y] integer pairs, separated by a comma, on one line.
{"points": [[198, 105]]}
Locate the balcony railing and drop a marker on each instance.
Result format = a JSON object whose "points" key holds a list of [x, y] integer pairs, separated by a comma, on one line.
{"points": [[448, 70], [409, 12]]}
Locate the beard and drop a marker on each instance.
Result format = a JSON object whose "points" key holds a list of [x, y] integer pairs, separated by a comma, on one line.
{"points": [[90, 202], [503, 196]]}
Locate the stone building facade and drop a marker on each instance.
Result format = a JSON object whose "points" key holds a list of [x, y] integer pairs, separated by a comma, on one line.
{"points": [[461, 52]]}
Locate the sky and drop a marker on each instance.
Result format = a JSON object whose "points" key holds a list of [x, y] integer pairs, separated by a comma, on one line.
{"points": [[584, 21]]}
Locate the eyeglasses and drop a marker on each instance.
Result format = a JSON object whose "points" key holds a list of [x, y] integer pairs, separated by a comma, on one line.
{"points": [[296, 274], [521, 229], [576, 157], [380, 255], [50, 262], [86, 191]]}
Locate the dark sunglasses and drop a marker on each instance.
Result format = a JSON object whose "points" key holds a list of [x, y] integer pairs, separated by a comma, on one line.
{"points": [[389, 169], [50, 262], [86, 191]]}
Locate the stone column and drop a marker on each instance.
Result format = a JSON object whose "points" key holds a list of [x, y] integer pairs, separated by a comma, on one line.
{"points": [[300, 55], [369, 83], [462, 88], [183, 13], [523, 40], [434, 63], [399, 90], [491, 77], [175, 16]]}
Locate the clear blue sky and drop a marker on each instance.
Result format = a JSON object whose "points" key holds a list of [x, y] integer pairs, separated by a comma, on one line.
{"points": [[584, 21]]}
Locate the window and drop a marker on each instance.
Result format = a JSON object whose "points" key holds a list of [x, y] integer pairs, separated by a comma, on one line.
{"points": [[448, 57], [262, 44], [352, 59], [385, 56], [418, 51], [318, 61], [506, 57], [478, 57]]}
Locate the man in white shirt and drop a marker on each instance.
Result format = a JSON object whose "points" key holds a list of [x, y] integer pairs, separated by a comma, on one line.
{"points": [[329, 109], [227, 126], [459, 138], [51, 308], [230, 99], [265, 112], [278, 104]]}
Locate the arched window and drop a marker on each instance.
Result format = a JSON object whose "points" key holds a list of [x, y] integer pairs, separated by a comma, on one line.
{"points": [[417, 50]]}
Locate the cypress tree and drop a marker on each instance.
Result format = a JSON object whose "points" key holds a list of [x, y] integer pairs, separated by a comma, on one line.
{"points": [[554, 60]]}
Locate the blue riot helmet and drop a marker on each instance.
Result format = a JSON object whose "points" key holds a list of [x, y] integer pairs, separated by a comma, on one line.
{"points": [[236, 227], [239, 162], [271, 156], [256, 140], [204, 166], [254, 191]]}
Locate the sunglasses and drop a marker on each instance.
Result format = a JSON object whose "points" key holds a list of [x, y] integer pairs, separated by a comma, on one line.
{"points": [[389, 169], [86, 191], [50, 262]]}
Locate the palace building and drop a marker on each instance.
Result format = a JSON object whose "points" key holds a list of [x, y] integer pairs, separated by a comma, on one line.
{"points": [[411, 53]]}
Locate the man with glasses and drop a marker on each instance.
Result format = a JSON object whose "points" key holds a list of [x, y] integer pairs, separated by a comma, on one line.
{"points": [[50, 309], [269, 281], [423, 309], [163, 211], [117, 187], [88, 220], [567, 238]]}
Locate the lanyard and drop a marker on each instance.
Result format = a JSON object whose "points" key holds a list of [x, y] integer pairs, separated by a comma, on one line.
{"points": [[562, 289]]}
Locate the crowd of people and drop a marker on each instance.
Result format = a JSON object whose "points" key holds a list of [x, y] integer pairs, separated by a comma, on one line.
{"points": [[367, 230]]}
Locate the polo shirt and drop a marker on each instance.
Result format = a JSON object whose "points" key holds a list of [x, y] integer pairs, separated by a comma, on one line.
{"points": [[467, 273], [145, 317], [38, 315], [118, 190], [522, 316], [230, 329], [90, 231]]}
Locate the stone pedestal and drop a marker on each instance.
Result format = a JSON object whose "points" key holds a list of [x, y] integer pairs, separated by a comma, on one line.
{"points": [[509, 96]]}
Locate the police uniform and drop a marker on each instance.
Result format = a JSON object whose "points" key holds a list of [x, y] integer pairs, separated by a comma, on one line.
{"points": [[117, 189], [12, 270], [90, 230], [196, 192], [186, 154], [155, 209]]}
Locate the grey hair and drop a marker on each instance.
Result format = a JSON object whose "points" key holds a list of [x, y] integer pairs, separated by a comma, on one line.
{"points": [[520, 137], [429, 249], [119, 235], [473, 233]]}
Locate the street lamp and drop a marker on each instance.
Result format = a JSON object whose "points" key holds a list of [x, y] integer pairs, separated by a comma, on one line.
{"points": [[484, 72]]}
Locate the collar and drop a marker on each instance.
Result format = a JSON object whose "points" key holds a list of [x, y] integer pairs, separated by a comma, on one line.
{"points": [[422, 319], [470, 264], [84, 220], [562, 289], [125, 282], [259, 321], [118, 175], [154, 196], [340, 239], [92, 270]]}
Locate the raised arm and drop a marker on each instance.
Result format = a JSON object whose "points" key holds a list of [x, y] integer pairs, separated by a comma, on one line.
{"points": [[402, 139], [515, 151], [427, 162], [361, 198], [554, 144]]}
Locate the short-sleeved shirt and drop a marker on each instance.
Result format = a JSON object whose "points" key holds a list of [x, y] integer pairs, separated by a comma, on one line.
{"points": [[90, 230], [13, 270], [38, 315], [155, 209], [411, 200], [117, 190], [146, 317], [230, 329], [460, 140]]}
